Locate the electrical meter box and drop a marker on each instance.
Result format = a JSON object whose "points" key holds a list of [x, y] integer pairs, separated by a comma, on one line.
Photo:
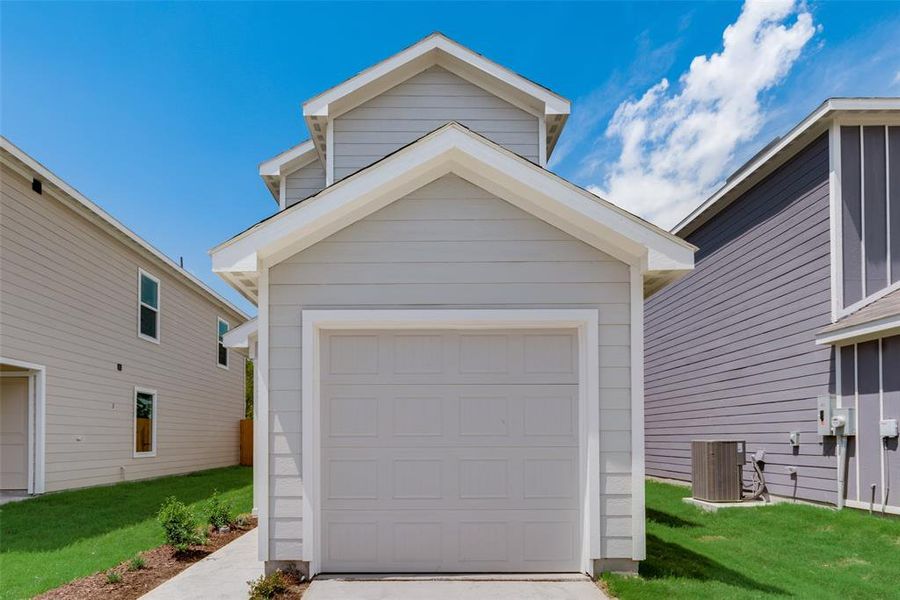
{"points": [[889, 428], [843, 421], [825, 407], [832, 420]]}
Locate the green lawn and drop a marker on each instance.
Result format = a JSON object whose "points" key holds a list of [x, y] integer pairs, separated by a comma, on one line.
{"points": [[56, 538], [773, 552]]}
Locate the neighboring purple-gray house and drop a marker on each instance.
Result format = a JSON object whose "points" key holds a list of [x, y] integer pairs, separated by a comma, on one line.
{"points": [[795, 296]]}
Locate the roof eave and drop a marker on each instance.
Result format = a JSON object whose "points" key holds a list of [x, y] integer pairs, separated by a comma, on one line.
{"points": [[453, 148], [780, 152], [90, 207], [434, 49], [242, 335], [272, 170], [877, 328]]}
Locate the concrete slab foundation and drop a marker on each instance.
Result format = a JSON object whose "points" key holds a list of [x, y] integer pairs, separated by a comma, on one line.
{"points": [[715, 506]]}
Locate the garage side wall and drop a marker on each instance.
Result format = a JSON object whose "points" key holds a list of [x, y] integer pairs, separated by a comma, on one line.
{"points": [[448, 245]]}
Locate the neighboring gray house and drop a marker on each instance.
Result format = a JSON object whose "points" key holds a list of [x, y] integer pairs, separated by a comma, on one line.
{"points": [[449, 335], [796, 295], [112, 366]]}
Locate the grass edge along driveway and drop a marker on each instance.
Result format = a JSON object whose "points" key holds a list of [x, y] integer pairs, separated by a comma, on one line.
{"points": [[780, 551], [56, 538]]}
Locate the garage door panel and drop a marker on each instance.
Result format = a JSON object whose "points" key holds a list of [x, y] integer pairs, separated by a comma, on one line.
{"points": [[376, 358], [449, 378], [473, 478], [450, 415], [450, 451], [450, 541]]}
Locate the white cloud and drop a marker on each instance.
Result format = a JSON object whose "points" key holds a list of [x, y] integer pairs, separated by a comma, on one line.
{"points": [[677, 140]]}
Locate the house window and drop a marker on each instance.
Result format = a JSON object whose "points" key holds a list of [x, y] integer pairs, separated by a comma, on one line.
{"points": [[148, 306], [870, 195], [222, 357], [144, 422]]}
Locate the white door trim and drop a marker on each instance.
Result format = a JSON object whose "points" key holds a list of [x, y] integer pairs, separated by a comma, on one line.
{"points": [[584, 321], [37, 385]]}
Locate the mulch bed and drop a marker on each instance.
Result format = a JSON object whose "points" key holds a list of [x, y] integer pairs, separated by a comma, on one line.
{"points": [[160, 564], [295, 587]]}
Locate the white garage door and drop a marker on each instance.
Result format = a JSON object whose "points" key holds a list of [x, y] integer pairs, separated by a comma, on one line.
{"points": [[450, 451]]}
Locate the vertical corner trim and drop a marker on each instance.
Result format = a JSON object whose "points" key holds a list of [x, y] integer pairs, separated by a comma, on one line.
{"points": [[261, 413], [639, 545], [835, 214], [329, 152]]}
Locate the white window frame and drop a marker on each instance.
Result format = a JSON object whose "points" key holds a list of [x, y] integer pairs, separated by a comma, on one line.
{"points": [[148, 391], [158, 309], [219, 321]]}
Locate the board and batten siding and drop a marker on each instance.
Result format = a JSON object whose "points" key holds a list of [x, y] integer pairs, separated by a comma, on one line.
{"points": [[420, 105], [870, 205], [303, 183], [730, 349], [870, 382], [450, 244], [69, 302]]}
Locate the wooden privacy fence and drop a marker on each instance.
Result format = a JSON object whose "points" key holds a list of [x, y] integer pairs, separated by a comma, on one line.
{"points": [[247, 442]]}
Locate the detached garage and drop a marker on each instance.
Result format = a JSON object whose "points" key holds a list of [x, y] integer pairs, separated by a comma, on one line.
{"points": [[449, 345], [453, 383]]}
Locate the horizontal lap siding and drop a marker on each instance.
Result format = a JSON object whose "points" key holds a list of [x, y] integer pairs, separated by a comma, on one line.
{"points": [[420, 105], [730, 349], [68, 300], [449, 245], [303, 183]]}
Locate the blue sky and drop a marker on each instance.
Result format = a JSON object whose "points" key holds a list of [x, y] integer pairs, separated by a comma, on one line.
{"points": [[160, 112]]}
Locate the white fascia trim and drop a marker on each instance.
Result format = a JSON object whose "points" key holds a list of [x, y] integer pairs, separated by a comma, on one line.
{"points": [[37, 412], [585, 321], [553, 104], [455, 149], [48, 176], [289, 161], [241, 336], [883, 327], [827, 107]]}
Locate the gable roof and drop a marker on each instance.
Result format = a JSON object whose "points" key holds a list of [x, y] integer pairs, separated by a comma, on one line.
{"points": [[454, 149], [778, 152], [104, 219], [436, 49], [285, 163]]}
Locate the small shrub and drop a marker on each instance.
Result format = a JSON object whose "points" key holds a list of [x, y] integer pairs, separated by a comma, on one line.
{"points": [[243, 519], [267, 586], [113, 577], [137, 563], [219, 512], [180, 525]]}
